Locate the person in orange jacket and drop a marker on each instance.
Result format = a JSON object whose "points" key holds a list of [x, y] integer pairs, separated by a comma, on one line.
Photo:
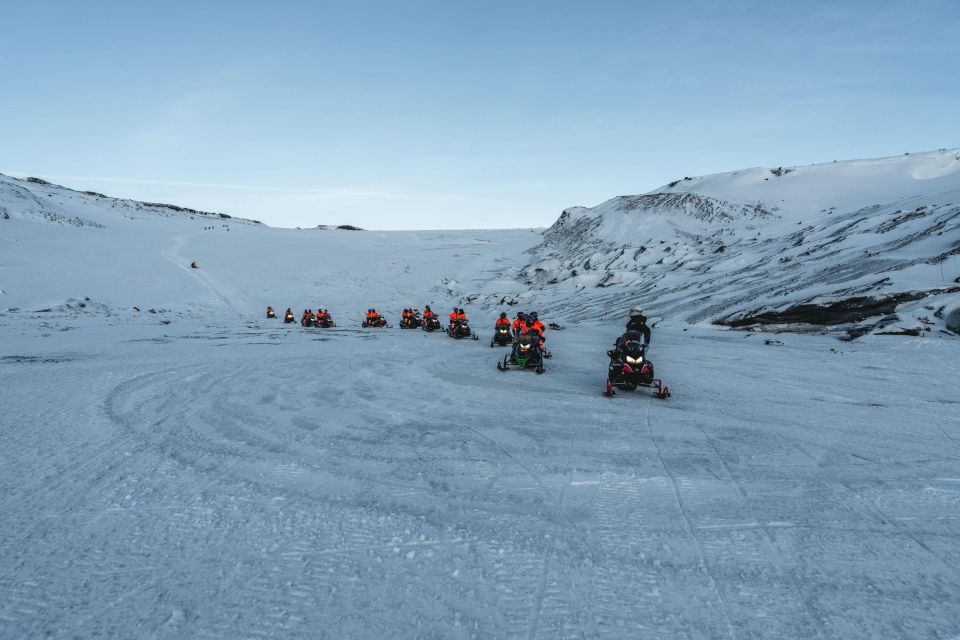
{"points": [[288, 315], [271, 313], [519, 324], [454, 315], [502, 321], [537, 327], [428, 313]]}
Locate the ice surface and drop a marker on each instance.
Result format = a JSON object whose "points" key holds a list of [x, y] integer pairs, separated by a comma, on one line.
{"points": [[174, 465]]}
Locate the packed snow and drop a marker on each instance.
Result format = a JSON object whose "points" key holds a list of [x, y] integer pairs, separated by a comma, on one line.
{"points": [[175, 465]]}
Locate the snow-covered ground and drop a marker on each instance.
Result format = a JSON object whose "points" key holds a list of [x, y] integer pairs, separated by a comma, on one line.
{"points": [[174, 465]]}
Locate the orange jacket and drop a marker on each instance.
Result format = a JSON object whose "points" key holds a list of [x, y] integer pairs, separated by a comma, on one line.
{"points": [[428, 314], [519, 325], [503, 322], [537, 326]]}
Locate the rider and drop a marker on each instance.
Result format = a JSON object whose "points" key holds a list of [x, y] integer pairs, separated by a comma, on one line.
{"points": [[288, 315], [502, 321], [534, 324], [520, 323], [454, 316], [271, 313], [638, 322]]}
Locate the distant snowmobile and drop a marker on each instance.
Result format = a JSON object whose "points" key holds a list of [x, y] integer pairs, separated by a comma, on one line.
{"points": [[432, 324], [501, 336], [323, 320], [461, 329], [377, 321], [271, 314], [193, 265], [526, 354], [288, 317], [412, 322], [629, 367]]}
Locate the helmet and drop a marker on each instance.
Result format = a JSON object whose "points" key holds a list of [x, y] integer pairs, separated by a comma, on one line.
{"points": [[503, 314], [533, 315], [427, 307], [460, 311], [636, 310], [521, 315]]}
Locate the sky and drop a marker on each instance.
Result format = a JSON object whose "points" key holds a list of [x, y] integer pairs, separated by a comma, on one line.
{"points": [[450, 114]]}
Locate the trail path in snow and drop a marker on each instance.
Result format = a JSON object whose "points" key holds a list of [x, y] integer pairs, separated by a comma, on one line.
{"points": [[242, 478]]}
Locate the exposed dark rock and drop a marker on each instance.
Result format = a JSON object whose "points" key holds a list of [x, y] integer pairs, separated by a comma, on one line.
{"points": [[900, 332], [850, 310], [952, 320]]}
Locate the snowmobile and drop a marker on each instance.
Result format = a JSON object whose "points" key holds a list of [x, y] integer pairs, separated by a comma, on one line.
{"points": [[193, 265], [288, 317], [461, 329], [525, 354], [413, 322], [271, 314], [324, 323], [379, 321], [308, 320], [432, 324], [501, 336], [629, 367]]}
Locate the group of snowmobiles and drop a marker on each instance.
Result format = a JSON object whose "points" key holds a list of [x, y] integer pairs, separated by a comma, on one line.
{"points": [[321, 319], [628, 370]]}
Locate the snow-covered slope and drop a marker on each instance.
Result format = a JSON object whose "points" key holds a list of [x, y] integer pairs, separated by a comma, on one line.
{"points": [[175, 465], [856, 246]]}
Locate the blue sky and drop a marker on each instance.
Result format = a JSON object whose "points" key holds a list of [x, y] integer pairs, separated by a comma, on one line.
{"points": [[459, 114]]}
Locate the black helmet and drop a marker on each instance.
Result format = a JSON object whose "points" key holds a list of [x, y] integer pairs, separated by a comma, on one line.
{"points": [[521, 315], [427, 307], [533, 315], [461, 311], [503, 314]]}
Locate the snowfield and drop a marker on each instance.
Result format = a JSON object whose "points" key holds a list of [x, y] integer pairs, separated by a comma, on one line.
{"points": [[174, 465]]}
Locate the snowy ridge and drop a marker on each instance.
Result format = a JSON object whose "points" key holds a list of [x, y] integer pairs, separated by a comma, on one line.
{"points": [[857, 246], [34, 199]]}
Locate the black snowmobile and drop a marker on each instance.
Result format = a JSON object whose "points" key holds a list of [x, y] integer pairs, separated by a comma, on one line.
{"points": [[525, 354], [413, 322], [379, 321], [324, 323], [432, 324], [308, 320], [501, 336], [629, 367], [461, 329], [288, 317]]}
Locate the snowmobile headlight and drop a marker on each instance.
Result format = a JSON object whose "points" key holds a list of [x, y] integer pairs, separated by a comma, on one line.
{"points": [[524, 347], [632, 360]]}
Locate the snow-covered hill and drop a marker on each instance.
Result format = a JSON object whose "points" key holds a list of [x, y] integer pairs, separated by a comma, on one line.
{"points": [[866, 245], [175, 465], [33, 199]]}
